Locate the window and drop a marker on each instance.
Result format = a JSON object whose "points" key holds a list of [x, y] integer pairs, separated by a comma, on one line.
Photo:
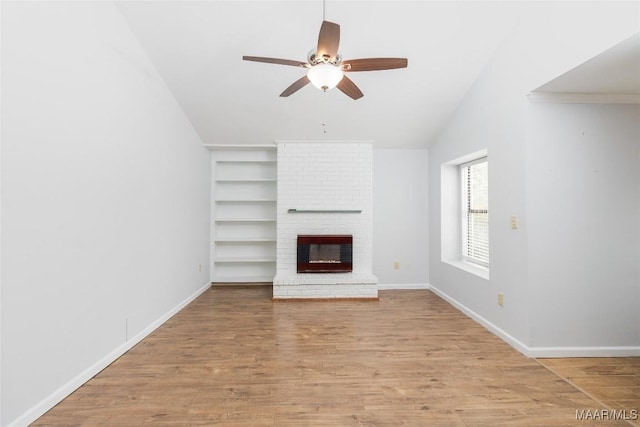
{"points": [[464, 213], [475, 211]]}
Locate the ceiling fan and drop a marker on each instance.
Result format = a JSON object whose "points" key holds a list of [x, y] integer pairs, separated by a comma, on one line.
{"points": [[325, 67]]}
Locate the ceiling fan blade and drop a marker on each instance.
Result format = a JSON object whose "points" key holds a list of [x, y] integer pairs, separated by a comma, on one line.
{"points": [[296, 86], [328, 40], [373, 64], [350, 88], [275, 61]]}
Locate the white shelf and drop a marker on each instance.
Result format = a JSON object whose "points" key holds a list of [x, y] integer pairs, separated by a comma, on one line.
{"points": [[243, 260], [242, 279], [245, 220], [336, 211], [245, 180], [247, 161], [241, 147], [245, 201], [244, 240]]}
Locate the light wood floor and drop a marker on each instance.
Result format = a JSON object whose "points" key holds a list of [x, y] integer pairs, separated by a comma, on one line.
{"points": [[613, 382], [235, 358]]}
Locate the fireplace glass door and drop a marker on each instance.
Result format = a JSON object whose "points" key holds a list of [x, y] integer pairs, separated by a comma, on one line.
{"points": [[325, 253]]}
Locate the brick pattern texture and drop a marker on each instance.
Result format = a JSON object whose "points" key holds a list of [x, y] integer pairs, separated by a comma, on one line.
{"points": [[324, 176]]}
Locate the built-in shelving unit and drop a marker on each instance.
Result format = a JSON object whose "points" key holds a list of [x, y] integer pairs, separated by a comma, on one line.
{"points": [[243, 228]]}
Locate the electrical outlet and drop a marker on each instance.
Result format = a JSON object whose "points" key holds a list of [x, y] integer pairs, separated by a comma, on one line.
{"points": [[500, 299], [396, 265], [200, 268], [514, 222]]}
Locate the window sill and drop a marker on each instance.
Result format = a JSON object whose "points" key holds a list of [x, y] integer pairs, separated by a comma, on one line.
{"points": [[476, 270]]}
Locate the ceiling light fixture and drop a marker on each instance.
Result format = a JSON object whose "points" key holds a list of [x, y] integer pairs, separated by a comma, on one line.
{"points": [[325, 76]]}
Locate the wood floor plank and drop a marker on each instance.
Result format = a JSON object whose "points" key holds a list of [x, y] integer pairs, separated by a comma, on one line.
{"points": [[235, 358], [615, 382]]}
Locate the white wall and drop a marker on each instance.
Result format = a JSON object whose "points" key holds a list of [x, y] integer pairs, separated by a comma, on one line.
{"points": [[400, 217], [105, 199], [548, 42], [583, 210]]}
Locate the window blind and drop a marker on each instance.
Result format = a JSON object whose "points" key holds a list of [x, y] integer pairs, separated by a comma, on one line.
{"points": [[475, 227]]}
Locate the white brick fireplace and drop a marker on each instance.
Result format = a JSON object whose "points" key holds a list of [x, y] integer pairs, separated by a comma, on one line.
{"points": [[324, 188]]}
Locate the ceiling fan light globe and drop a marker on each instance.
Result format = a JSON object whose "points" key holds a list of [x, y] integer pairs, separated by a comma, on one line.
{"points": [[325, 76]]}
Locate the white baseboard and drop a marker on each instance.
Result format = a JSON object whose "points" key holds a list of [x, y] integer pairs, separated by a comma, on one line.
{"points": [[57, 396], [546, 352], [540, 352], [506, 337], [391, 286]]}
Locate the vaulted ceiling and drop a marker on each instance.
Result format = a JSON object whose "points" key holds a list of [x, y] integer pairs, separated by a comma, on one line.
{"points": [[197, 47], [613, 72]]}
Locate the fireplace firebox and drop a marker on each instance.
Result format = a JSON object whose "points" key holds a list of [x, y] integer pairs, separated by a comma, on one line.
{"points": [[325, 253]]}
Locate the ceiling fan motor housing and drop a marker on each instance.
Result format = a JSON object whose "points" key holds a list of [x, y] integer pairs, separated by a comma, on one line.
{"points": [[314, 59]]}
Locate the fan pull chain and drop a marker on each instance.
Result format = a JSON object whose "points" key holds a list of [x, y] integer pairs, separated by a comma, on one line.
{"points": [[324, 113]]}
